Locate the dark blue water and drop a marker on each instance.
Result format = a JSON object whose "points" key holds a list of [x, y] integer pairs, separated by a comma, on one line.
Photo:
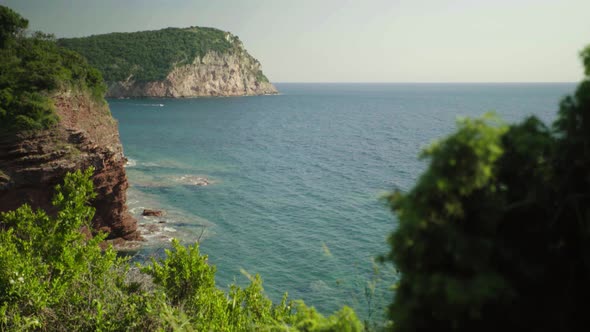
{"points": [[296, 178]]}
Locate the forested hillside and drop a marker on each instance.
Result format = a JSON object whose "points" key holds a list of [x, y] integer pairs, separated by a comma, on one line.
{"points": [[150, 55], [33, 66]]}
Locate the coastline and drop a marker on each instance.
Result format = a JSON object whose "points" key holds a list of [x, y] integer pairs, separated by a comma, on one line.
{"points": [[173, 223]]}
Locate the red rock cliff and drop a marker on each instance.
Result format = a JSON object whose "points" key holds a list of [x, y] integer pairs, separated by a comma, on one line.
{"points": [[87, 135]]}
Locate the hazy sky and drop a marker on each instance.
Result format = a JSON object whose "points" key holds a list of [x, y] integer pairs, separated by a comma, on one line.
{"points": [[359, 40]]}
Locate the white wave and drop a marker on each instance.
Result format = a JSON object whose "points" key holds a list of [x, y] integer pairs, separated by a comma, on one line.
{"points": [[131, 162], [176, 223], [135, 163], [193, 180], [169, 229], [149, 105], [135, 210]]}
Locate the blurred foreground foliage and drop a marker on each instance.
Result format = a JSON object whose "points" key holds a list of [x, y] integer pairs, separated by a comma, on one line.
{"points": [[495, 235], [53, 278]]}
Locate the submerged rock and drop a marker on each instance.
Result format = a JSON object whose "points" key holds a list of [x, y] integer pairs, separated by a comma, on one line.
{"points": [[152, 213]]}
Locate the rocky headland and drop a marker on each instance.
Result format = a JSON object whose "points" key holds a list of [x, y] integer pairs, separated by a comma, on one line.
{"points": [[213, 75], [32, 163], [173, 63]]}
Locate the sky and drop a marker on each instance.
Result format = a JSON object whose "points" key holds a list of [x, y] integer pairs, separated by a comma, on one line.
{"points": [[359, 40]]}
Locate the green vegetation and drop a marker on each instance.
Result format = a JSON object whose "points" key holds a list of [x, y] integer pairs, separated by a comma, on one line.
{"points": [[260, 77], [53, 278], [31, 68], [495, 235], [150, 55]]}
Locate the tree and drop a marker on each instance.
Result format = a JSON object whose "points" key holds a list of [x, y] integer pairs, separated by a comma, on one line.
{"points": [[11, 24], [32, 68], [52, 277], [496, 233]]}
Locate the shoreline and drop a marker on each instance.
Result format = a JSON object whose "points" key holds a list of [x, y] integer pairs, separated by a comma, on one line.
{"points": [[171, 222]]}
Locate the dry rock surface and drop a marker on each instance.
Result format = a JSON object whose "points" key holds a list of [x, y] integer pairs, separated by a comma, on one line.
{"points": [[215, 74]]}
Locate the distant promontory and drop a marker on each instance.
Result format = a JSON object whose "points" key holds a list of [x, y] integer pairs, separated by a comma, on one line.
{"points": [[173, 62]]}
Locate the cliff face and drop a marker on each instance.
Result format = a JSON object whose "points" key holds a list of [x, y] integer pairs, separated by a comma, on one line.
{"points": [[173, 62], [215, 74], [87, 135]]}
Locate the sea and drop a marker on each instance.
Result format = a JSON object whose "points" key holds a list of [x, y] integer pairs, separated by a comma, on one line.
{"points": [[292, 186]]}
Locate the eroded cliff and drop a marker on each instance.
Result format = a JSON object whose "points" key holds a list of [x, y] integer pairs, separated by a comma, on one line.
{"points": [[86, 135], [215, 74], [173, 62]]}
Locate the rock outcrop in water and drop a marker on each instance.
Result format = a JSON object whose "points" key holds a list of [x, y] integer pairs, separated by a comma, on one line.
{"points": [[87, 135], [190, 62], [152, 213]]}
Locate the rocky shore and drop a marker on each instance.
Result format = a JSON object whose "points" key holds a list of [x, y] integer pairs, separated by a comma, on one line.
{"points": [[87, 135]]}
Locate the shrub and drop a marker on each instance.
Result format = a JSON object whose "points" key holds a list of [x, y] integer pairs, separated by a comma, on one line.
{"points": [[33, 67], [495, 234], [54, 278]]}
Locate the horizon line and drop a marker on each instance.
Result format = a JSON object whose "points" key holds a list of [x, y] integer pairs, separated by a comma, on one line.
{"points": [[426, 82]]}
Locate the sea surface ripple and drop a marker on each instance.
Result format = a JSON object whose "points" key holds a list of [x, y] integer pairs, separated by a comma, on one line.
{"points": [[295, 180]]}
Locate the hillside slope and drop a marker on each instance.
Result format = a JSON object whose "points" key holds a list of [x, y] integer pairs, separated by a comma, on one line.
{"points": [[54, 120], [173, 62]]}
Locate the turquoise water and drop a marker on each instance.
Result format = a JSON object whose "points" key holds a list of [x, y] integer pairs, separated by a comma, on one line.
{"points": [[296, 178]]}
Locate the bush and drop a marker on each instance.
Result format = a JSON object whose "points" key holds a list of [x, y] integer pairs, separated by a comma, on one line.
{"points": [[189, 283], [54, 278], [495, 235], [33, 67]]}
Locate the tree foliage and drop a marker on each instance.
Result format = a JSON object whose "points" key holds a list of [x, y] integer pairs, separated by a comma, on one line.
{"points": [[31, 68], [495, 235], [11, 24], [146, 56], [53, 278]]}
